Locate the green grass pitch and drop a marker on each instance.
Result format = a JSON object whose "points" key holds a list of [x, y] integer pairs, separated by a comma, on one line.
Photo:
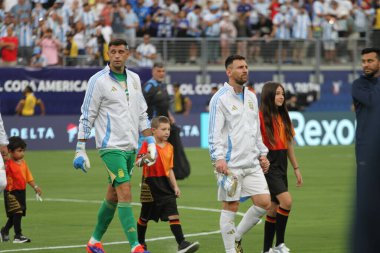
{"points": [[319, 222]]}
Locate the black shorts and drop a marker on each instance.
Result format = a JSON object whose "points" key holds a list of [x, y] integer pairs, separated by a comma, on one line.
{"points": [[159, 210], [15, 202], [276, 177]]}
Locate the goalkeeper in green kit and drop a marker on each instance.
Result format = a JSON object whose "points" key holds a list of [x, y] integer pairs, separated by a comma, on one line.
{"points": [[115, 106]]}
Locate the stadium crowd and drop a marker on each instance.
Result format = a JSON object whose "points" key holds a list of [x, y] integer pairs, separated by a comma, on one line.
{"points": [[67, 32]]}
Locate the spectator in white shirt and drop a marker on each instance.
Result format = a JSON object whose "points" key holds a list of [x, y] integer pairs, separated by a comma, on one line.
{"points": [[146, 52]]}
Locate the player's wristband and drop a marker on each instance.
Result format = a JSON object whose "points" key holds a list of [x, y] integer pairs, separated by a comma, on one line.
{"points": [[81, 146], [35, 187], [150, 139]]}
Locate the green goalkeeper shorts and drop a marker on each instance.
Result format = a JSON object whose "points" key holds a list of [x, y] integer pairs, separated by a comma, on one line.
{"points": [[119, 165]]}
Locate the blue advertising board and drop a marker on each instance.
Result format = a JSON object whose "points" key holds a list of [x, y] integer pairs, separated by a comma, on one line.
{"points": [[62, 89], [60, 132]]}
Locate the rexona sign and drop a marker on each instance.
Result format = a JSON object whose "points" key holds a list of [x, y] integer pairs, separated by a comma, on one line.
{"points": [[314, 129]]}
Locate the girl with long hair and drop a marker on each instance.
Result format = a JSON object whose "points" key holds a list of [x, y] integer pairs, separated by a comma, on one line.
{"points": [[277, 131]]}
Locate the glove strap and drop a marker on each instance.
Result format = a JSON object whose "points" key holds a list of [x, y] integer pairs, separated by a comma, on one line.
{"points": [[150, 139], [81, 146]]}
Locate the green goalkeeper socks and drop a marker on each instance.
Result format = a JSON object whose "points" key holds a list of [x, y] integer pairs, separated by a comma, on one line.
{"points": [[105, 216], [128, 222]]}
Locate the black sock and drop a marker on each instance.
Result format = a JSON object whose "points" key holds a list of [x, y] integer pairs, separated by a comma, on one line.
{"points": [[281, 220], [8, 225], [269, 232], [17, 223], [142, 226], [176, 228]]}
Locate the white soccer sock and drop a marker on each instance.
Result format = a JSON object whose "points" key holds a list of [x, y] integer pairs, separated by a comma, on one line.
{"points": [[227, 229], [250, 219], [93, 240]]}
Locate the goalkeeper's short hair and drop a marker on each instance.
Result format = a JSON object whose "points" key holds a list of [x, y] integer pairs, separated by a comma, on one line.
{"points": [[156, 121]]}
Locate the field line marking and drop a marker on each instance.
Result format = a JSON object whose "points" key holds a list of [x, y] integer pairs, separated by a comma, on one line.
{"points": [[107, 243], [133, 203]]}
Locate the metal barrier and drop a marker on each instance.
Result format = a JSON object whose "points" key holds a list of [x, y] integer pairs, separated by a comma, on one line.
{"points": [[208, 54]]}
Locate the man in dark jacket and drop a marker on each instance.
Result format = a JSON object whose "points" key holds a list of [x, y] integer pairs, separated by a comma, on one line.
{"points": [[366, 95]]}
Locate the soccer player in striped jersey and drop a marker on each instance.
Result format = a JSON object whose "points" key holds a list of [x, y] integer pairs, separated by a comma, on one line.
{"points": [[159, 187], [277, 131]]}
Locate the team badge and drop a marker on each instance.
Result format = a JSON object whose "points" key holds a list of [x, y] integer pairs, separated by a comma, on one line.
{"points": [[234, 108], [250, 104], [113, 88], [120, 173]]}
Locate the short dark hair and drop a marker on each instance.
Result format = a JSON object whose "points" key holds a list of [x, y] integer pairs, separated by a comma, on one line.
{"points": [[28, 89], [158, 65], [156, 121], [369, 50], [230, 59], [16, 142], [118, 42]]}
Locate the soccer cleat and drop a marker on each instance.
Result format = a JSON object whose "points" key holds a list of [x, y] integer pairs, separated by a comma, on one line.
{"points": [[21, 239], [139, 249], [269, 251], [238, 247], [228, 182], [188, 247], [281, 249], [95, 248], [4, 237]]}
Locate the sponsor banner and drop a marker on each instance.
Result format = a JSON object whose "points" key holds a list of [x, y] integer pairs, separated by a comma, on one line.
{"points": [[60, 132], [61, 89], [312, 129]]}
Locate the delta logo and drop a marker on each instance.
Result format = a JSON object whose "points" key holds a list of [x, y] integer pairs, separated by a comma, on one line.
{"points": [[72, 132]]}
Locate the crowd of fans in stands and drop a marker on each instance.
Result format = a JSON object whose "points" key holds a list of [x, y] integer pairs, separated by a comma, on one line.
{"points": [[43, 32]]}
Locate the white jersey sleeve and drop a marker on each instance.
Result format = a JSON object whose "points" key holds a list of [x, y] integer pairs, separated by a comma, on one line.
{"points": [[90, 107], [218, 132], [3, 135]]}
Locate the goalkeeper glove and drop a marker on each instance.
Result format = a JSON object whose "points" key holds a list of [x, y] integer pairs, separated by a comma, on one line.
{"points": [[81, 160], [151, 150]]}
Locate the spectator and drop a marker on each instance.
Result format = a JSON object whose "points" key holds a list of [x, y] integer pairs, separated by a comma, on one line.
{"points": [[38, 60], [194, 31], [106, 14], [89, 19], [318, 18], [38, 13], [22, 8], [146, 52], [181, 28], [182, 104], [212, 32], [329, 36], [228, 34], [118, 16], [70, 51], [131, 22], [9, 48], [281, 31], [80, 38], [143, 14], [243, 31], [26, 106], [376, 26], [50, 47], [26, 40], [301, 31], [153, 26]]}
